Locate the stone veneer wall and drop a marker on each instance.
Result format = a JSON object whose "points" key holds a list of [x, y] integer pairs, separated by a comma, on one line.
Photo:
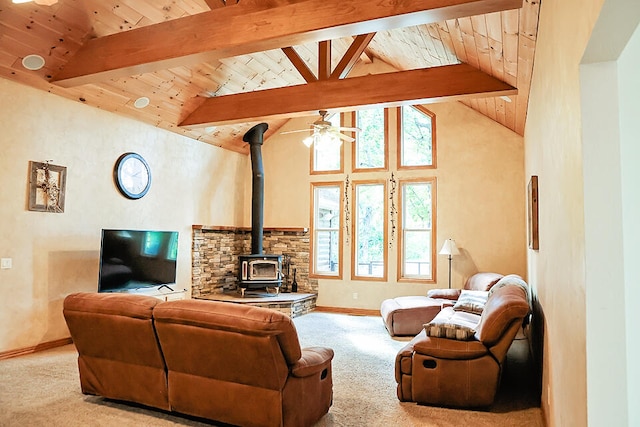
{"points": [[216, 249]]}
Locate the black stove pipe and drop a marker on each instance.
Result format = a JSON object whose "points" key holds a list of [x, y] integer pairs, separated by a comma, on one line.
{"points": [[254, 137]]}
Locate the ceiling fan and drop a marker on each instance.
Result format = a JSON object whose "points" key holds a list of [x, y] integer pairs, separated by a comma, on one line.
{"points": [[324, 130]]}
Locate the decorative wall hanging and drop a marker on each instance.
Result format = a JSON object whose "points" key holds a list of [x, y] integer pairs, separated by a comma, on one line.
{"points": [[346, 209], [46, 187], [532, 194], [393, 212]]}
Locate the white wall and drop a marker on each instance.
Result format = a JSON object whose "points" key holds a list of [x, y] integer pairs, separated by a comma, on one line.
{"points": [[629, 94], [610, 89], [604, 272], [56, 254]]}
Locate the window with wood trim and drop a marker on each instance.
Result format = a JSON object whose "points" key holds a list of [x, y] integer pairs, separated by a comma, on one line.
{"points": [[326, 226], [328, 158], [416, 254], [416, 138], [370, 149], [370, 216]]}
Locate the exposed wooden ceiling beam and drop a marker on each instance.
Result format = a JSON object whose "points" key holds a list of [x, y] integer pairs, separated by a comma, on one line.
{"points": [[299, 64], [423, 86], [324, 59], [214, 4], [352, 55], [243, 29]]}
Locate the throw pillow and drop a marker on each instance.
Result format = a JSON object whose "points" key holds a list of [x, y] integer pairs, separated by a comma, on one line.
{"points": [[471, 301], [511, 279], [449, 330]]}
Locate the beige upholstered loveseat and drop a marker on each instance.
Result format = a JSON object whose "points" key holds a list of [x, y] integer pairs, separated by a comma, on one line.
{"points": [[226, 362], [457, 357]]}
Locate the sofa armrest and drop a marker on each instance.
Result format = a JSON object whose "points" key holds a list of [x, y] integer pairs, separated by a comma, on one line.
{"points": [[313, 360], [450, 294], [446, 348]]}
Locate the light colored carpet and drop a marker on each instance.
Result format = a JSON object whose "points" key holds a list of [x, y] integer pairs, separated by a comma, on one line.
{"points": [[43, 389]]}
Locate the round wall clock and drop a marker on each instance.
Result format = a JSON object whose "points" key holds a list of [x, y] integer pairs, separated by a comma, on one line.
{"points": [[132, 175]]}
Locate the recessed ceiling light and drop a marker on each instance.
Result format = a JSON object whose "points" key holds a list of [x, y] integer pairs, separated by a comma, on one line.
{"points": [[141, 102], [33, 62], [210, 129], [505, 98], [40, 2]]}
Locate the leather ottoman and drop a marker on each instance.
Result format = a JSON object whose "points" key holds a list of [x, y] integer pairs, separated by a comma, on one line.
{"points": [[406, 315]]}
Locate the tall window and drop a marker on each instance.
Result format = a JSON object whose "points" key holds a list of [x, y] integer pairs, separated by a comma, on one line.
{"points": [[370, 150], [417, 237], [369, 249], [416, 140], [328, 157], [326, 225]]}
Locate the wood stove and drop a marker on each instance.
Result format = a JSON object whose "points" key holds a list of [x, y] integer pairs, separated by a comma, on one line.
{"points": [[258, 270]]}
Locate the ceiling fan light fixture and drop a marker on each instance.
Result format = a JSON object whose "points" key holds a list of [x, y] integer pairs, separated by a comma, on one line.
{"points": [[322, 140], [308, 141]]}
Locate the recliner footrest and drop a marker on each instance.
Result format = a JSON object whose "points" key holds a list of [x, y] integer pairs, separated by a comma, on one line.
{"points": [[406, 315]]}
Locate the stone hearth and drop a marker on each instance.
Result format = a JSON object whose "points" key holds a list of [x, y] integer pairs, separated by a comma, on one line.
{"points": [[216, 250], [292, 304]]}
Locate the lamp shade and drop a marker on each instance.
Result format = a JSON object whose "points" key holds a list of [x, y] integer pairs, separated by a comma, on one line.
{"points": [[449, 248]]}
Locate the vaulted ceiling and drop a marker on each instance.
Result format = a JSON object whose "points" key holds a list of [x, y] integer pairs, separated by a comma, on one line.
{"points": [[212, 68]]}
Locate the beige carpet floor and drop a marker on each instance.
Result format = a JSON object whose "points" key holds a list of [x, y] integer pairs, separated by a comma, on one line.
{"points": [[43, 389]]}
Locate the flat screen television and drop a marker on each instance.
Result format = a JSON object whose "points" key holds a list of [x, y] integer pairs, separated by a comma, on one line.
{"points": [[137, 259]]}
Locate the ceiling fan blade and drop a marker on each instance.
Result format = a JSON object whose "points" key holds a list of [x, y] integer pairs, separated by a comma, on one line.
{"points": [[344, 129], [296, 131], [345, 137]]}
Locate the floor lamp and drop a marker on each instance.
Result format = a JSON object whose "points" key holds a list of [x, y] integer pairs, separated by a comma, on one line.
{"points": [[450, 249]]}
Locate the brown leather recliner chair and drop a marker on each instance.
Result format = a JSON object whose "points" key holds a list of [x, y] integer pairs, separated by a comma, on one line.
{"points": [[449, 372], [119, 356], [241, 365]]}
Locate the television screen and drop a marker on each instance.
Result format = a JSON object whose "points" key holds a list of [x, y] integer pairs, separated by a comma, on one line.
{"points": [[136, 259]]}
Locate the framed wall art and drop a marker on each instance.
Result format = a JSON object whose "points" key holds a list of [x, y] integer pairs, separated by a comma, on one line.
{"points": [[46, 187], [532, 196]]}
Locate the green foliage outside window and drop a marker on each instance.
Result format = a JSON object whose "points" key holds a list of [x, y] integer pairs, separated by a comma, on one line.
{"points": [[416, 138], [370, 144], [370, 241], [417, 228]]}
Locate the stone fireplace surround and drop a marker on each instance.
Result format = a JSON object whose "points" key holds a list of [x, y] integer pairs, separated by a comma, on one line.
{"points": [[216, 249]]}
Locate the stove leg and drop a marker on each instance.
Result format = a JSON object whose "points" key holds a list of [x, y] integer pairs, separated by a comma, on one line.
{"points": [[242, 292]]}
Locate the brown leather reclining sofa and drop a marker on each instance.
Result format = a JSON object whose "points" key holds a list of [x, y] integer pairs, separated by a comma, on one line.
{"points": [[406, 315], [457, 358], [226, 362]]}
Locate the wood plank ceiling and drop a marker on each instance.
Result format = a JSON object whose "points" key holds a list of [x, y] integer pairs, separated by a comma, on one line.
{"points": [[268, 60]]}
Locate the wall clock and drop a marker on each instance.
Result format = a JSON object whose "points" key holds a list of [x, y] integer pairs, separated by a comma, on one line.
{"points": [[132, 175]]}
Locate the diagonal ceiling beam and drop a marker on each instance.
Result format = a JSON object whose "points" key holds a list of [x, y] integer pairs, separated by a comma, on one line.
{"points": [[214, 4], [299, 64], [352, 55], [254, 27], [423, 86]]}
